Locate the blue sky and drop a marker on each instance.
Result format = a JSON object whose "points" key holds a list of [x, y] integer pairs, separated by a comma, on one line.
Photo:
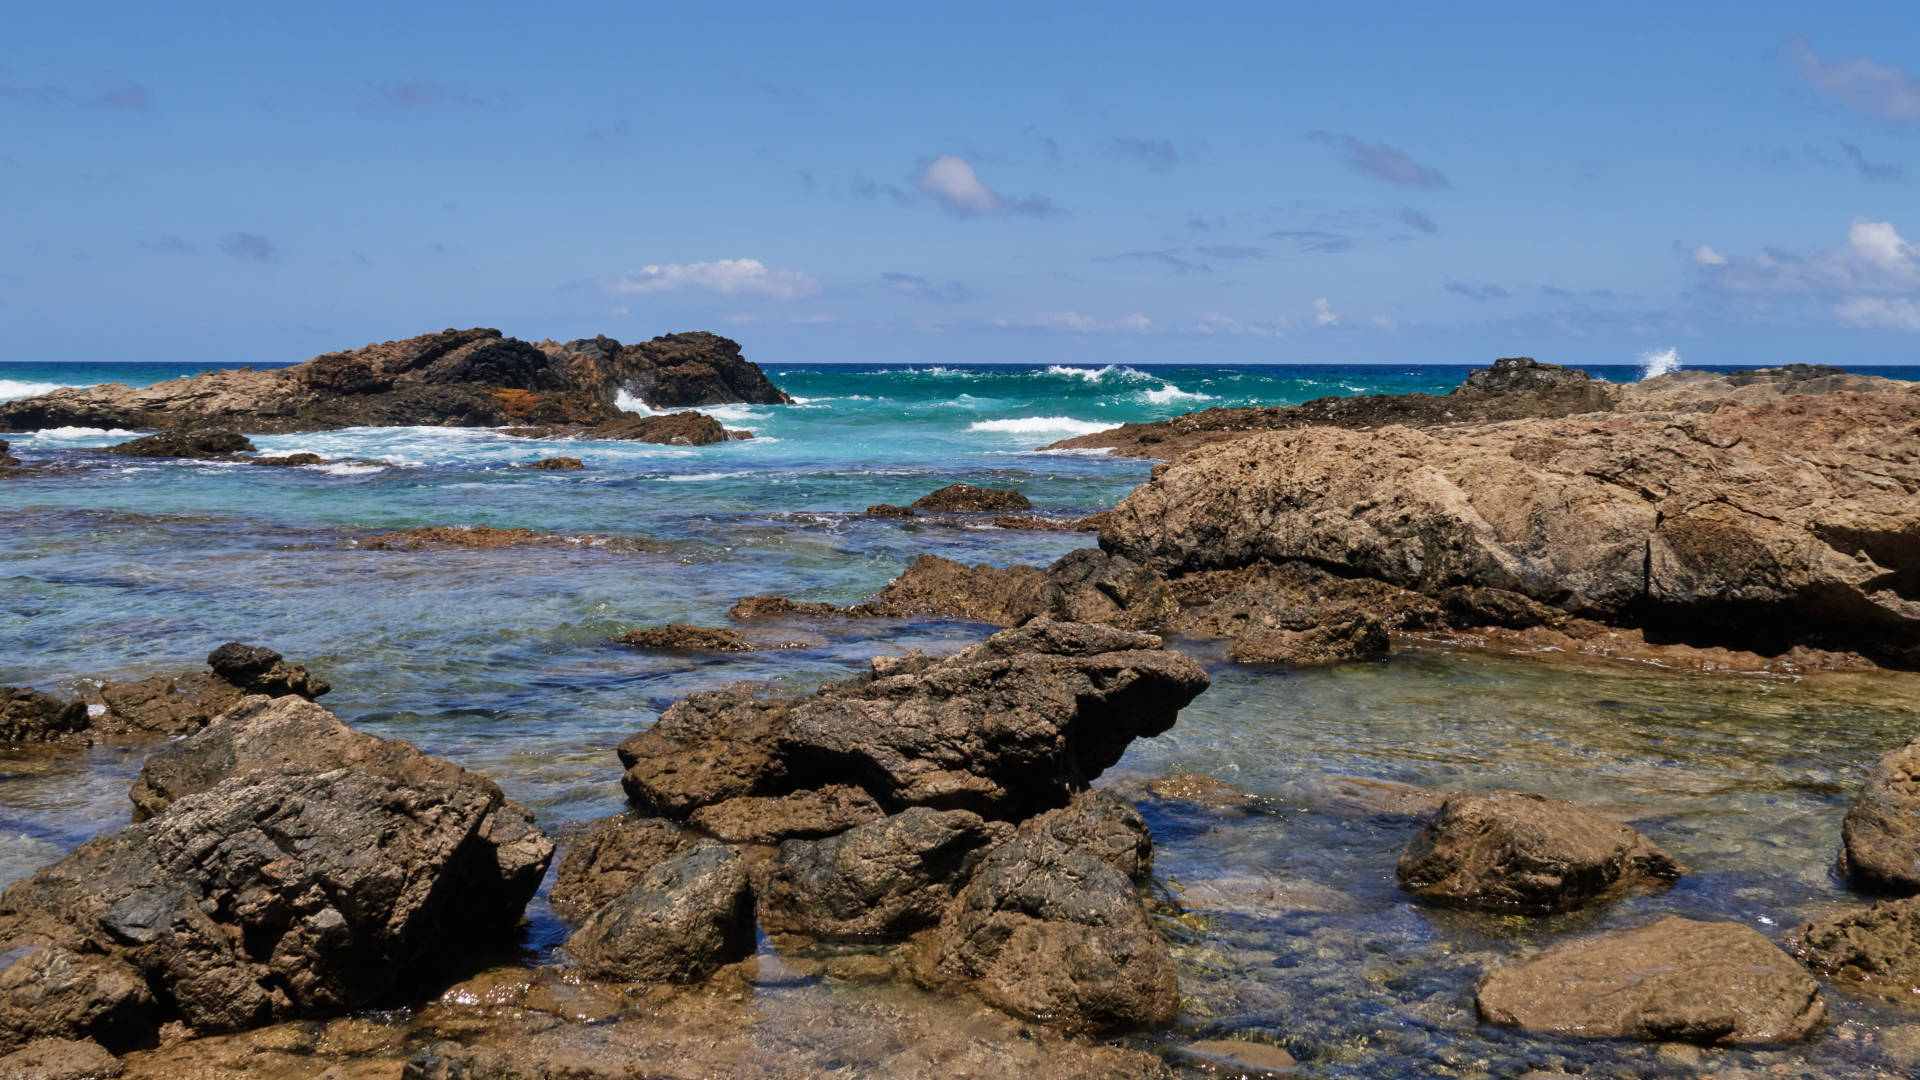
{"points": [[1227, 183]]}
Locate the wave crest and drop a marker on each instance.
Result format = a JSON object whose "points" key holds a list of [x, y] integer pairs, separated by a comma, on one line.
{"points": [[1030, 425]]}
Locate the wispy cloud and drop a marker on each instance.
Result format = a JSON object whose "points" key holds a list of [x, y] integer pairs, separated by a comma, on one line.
{"points": [[1314, 241], [130, 97], [1074, 322], [1173, 259], [1481, 293], [1323, 313], [1414, 219], [1231, 252], [425, 94], [1893, 313], [172, 245], [1381, 162], [1869, 169], [952, 182], [921, 288], [1158, 155], [250, 246], [725, 277], [1215, 323], [1881, 91]]}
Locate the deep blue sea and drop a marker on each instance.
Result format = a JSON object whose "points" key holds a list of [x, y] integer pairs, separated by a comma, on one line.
{"points": [[502, 661]]}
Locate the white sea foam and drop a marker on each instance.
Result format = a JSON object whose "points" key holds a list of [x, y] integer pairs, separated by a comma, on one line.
{"points": [[70, 434], [1100, 374], [1169, 392], [696, 478], [1659, 362], [1029, 425], [11, 389], [735, 413], [344, 469], [628, 403]]}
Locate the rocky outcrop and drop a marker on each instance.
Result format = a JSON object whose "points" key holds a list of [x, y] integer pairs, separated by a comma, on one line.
{"points": [[293, 867], [209, 444], [30, 716], [1049, 931], [1760, 526], [686, 638], [667, 429], [882, 880], [1880, 839], [610, 858], [466, 378], [1877, 949], [1515, 388], [1007, 728], [966, 497], [556, 464], [1676, 980], [1519, 853], [802, 815], [682, 919]]}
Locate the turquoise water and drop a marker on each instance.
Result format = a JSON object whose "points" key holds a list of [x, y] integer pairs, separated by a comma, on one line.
{"points": [[501, 661]]}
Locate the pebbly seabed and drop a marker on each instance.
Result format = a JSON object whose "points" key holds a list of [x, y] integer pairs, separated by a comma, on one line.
{"points": [[1277, 874]]}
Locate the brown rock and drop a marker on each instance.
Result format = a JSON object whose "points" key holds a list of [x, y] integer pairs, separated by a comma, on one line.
{"points": [[965, 497], [684, 637], [888, 510], [803, 815], [1348, 635], [1678, 980], [610, 858], [59, 1059], [1235, 1057], [1512, 851], [290, 461], [1880, 840], [766, 606], [31, 716], [680, 921], [669, 429], [556, 464], [1877, 949], [486, 537], [7, 461], [881, 880]]}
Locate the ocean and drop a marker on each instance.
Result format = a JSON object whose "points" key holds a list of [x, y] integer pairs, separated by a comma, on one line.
{"points": [[501, 661]]}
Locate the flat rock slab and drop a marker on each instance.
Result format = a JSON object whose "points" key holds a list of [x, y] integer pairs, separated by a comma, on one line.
{"points": [[1511, 851], [1676, 980]]}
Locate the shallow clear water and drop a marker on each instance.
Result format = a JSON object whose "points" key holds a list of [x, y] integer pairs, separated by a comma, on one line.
{"points": [[501, 661]]}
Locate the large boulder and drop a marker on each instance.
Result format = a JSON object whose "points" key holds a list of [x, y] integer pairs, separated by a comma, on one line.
{"points": [[474, 377], [1675, 980], [610, 857], [1877, 949], [1764, 525], [1880, 839], [1048, 931], [681, 920], [1007, 728], [28, 715], [885, 879], [1520, 853], [266, 889]]}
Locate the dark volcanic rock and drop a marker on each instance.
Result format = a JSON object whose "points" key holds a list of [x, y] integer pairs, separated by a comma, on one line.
{"points": [[486, 537], [968, 497], [611, 858], [31, 716], [885, 879], [686, 637], [467, 378], [1009, 727], [285, 888], [1511, 851], [683, 918], [1047, 931], [212, 445], [1880, 841], [1677, 980], [7, 460], [290, 461], [1522, 373], [556, 464], [1877, 949]]}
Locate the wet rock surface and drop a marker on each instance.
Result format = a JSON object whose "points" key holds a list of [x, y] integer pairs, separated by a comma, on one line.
{"points": [[28, 715], [966, 497], [885, 879], [1511, 851], [805, 815], [162, 705], [556, 464], [472, 378], [610, 857], [210, 445], [7, 461], [486, 537], [685, 637], [681, 920], [1675, 980], [284, 888], [1880, 839], [1877, 949], [670, 429], [1766, 525], [1009, 727], [60, 1059]]}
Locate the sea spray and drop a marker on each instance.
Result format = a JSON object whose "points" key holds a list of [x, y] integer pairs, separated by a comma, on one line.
{"points": [[1659, 362]]}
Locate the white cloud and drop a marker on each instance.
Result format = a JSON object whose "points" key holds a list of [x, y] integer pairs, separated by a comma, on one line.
{"points": [[1892, 313], [1706, 256], [1860, 84], [952, 180], [727, 277], [1385, 323], [1215, 323], [1874, 261], [1075, 322], [1323, 314]]}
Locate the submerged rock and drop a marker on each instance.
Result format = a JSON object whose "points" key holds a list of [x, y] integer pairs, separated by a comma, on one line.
{"points": [[7, 461], [1009, 727], [1676, 980], [486, 537], [965, 497], [467, 378], [882, 880], [888, 510], [30, 716], [556, 464], [280, 888], [681, 920], [290, 461], [1048, 931], [668, 429], [208, 444], [683, 636], [1880, 840], [1877, 949], [1511, 851], [1318, 639]]}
